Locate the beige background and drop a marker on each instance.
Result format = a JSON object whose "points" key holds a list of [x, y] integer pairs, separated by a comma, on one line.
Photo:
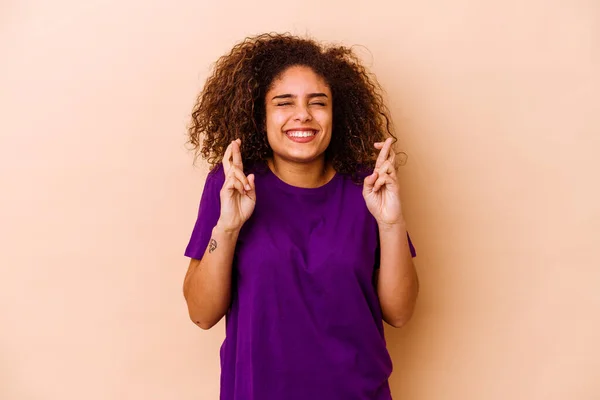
{"points": [[500, 105]]}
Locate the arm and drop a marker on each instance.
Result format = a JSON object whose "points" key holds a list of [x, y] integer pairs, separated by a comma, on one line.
{"points": [[396, 279], [207, 283]]}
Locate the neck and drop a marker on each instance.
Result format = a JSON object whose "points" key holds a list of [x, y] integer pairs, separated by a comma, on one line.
{"points": [[305, 175]]}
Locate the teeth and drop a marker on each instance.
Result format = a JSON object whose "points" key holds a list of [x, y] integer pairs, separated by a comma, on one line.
{"points": [[301, 133]]}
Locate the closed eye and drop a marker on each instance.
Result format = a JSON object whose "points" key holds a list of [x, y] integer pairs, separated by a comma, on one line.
{"points": [[318, 104], [283, 104]]}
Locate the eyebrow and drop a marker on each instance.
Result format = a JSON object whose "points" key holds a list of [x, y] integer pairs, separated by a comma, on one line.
{"points": [[289, 96]]}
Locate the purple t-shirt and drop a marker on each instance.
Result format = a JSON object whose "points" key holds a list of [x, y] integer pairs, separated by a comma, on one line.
{"points": [[305, 322]]}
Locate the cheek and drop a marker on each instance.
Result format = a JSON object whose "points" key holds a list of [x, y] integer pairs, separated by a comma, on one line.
{"points": [[325, 119], [274, 123], [275, 120]]}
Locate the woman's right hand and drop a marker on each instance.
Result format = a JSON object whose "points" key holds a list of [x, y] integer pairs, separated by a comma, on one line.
{"points": [[238, 195]]}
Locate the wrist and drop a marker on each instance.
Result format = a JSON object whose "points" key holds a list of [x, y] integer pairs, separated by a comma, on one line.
{"points": [[393, 227], [226, 229]]}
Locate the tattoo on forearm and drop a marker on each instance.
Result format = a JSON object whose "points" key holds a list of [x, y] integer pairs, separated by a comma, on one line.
{"points": [[212, 245]]}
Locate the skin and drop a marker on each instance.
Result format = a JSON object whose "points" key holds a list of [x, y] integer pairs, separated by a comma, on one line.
{"points": [[300, 99]]}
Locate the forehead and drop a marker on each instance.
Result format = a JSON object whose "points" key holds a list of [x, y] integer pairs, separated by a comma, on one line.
{"points": [[299, 79]]}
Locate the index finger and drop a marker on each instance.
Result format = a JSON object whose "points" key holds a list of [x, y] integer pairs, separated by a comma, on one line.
{"points": [[227, 158], [237, 155], [383, 154]]}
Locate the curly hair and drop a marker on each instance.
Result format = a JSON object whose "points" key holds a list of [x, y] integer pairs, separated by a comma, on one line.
{"points": [[232, 102]]}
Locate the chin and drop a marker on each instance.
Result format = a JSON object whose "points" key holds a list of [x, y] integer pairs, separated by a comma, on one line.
{"points": [[301, 158], [302, 153]]}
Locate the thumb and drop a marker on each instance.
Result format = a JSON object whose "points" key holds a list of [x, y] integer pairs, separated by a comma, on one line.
{"points": [[369, 182], [252, 192]]}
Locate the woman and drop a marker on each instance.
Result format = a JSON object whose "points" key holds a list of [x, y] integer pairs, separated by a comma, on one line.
{"points": [[300, 239]]}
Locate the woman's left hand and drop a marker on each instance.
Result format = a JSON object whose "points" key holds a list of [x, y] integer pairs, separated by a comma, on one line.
{"points": [[381, 190]]}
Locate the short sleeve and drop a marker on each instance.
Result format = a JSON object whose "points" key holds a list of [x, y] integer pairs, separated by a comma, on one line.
{"points": [[208, 213], [413, 251]]}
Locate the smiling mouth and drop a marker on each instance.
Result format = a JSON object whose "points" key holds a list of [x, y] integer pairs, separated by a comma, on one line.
{"points": [[301, 134]]}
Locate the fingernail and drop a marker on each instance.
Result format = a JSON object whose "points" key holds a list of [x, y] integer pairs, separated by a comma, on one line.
{"points": [[247, 187]]}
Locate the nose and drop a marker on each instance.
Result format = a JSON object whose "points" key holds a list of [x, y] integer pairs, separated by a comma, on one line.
{"points": [[302, 114]]}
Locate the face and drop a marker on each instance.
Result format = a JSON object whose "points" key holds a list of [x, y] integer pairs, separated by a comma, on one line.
{"points": [[299, 116]]}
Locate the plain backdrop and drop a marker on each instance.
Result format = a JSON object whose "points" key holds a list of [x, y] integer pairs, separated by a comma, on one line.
{"points": [[497, 107]]}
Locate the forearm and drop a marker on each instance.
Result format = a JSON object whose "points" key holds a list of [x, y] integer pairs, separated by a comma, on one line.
{"points": [[207, 285], [397, 284]]}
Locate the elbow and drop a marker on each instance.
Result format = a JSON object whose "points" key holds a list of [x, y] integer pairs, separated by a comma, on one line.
{"points": [[399, 316], [203, 318], [202, 321], [204, 325], [195, 313], [399, 321], [396, 324]]}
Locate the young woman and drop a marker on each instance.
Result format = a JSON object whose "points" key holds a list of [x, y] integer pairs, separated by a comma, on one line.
{"points": [[300, 239]]}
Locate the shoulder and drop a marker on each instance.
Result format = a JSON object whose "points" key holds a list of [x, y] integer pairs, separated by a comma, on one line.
{"points": [[214, 181], [216, 174], [358, 176], [363, 170]]}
